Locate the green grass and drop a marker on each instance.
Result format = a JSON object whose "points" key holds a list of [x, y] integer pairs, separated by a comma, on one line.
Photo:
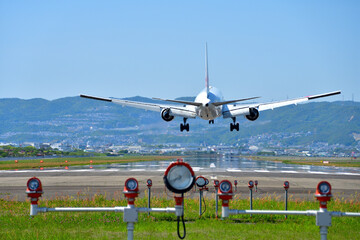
{"points": [[319, 161], [60, 162], [16, 224]]}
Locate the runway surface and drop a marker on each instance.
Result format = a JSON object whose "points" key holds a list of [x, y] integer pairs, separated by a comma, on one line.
{"points": [[84, 183]]}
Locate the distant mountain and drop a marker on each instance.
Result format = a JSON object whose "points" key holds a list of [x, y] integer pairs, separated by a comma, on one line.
{"points": [[75, 120]]}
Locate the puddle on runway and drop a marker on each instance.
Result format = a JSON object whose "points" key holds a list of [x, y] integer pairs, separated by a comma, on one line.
{"points": [[227, 164]]}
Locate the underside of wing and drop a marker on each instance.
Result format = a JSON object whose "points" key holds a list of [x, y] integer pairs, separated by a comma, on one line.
{"points": [[233, 101], [180, 101], [266, 106], [186, 112], [247, 110]]}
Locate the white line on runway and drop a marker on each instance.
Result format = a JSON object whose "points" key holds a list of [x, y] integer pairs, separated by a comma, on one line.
{"points": [[161, 170], [289, 171], [312, 172], [233, 170], [355, 174]]}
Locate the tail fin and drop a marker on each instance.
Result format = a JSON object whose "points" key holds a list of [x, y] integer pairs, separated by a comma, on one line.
{"points": [[206, 71]]}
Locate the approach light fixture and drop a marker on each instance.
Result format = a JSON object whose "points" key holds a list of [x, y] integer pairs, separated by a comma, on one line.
{"points": [[131, 185], [225, 186], [179, 177], [251, 184], [323, 193], [149, 182], [200, 181], [216, 183]]}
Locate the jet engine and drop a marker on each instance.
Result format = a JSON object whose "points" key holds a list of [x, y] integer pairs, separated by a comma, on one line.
{"points": [[254, 114], [165, 114]]}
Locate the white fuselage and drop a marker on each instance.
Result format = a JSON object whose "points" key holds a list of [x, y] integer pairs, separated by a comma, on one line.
{"points": [[208, 111]]}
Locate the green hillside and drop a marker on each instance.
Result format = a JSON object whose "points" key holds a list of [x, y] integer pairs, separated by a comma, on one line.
{"points": [[75, 117]]}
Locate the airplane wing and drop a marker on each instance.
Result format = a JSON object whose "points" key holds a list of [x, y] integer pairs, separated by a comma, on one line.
{"points": [[238, 110], [181, 111]]}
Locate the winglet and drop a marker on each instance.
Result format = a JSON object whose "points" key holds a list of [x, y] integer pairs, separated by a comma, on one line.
{"points": [[96, 98], [324, 95]]}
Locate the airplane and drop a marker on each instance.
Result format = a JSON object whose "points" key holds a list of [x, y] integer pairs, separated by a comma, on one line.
{"points": [[209, 104]]}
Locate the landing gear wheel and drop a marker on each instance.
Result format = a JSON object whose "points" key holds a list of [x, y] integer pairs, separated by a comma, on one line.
{"points": [[234, 126], [184, 127]]}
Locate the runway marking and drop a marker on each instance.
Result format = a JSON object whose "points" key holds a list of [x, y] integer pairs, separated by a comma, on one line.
{"points": [[79, 170], [261, 171], [289, 171], [138, 170], [354, 174], [313, 172], [233, 170], [111, 170]]}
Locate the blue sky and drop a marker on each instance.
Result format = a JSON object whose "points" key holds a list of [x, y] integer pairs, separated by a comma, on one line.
{"points": [[273, 49]]}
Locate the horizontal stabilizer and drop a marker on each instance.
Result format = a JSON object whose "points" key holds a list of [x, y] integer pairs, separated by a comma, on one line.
{"points": [[233, 101], [179, 101]]}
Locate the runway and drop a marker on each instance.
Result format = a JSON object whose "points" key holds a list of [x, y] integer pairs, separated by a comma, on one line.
{"points": [[85, 183]]}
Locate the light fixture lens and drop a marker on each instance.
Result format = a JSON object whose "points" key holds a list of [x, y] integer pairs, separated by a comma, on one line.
{"points": [[324, 188], [180, 177], [225, 187], [131, 185], [34, 184], [200, 182]]}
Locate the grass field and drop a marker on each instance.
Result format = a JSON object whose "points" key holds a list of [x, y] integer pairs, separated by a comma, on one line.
{"points": [[15, 222], [319, 161], [70, 161]]}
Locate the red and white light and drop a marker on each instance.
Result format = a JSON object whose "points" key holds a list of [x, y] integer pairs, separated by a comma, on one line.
{"points": [[34, 189], [323, 193]]}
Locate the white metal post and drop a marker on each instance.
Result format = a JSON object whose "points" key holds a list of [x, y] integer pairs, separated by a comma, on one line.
{"points": [[33, 209], [130, 230], [323, 220], [225, 212]]}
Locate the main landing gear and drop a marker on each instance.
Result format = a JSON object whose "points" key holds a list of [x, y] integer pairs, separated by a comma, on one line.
{"points": [[234, 125], [211, 121], [184, 126]]}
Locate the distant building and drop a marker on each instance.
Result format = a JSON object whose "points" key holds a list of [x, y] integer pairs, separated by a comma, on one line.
{"points": [[45, 146]]}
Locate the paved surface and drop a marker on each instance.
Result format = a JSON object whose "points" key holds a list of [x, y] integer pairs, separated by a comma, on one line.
{"points": [[84, 184]]}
